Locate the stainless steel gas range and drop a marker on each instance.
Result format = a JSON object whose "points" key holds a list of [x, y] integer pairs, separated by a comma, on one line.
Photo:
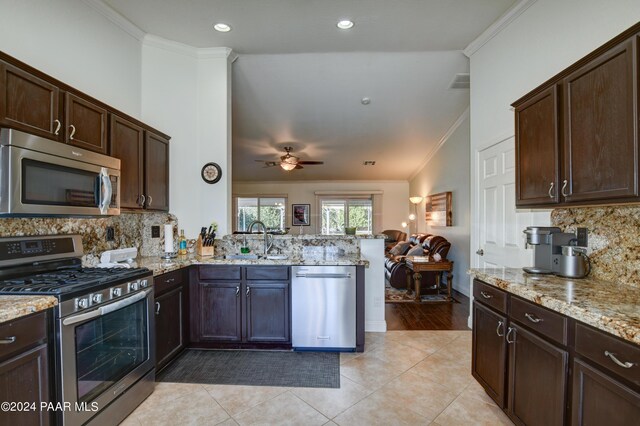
{"points": [[104, 330]]}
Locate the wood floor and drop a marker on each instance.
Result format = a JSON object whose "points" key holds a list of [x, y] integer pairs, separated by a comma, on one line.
{"points": [[428, 316]]}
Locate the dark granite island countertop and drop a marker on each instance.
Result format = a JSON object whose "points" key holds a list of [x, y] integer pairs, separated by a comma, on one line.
{"points": [[608, 306]]}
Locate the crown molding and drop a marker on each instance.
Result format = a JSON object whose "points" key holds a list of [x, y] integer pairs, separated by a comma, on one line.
{"points": [[108, 12], [500, 24], [441, 142], [184, 49]]}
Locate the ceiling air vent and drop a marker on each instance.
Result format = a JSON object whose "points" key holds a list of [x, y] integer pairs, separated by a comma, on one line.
{"points": [[460, 81], [369, 163]]}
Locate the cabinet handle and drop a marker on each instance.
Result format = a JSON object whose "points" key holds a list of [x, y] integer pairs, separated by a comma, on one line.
{"points": [[617, 361], [500, 325], [237, 290], [150, 200], [485, 295], [532, 318], [564, 186], [73, 132], [509, 333], [248, 291], [7, 340], [551, 191], [170, 280], [58, 126], [142, 200], [157, 308]]}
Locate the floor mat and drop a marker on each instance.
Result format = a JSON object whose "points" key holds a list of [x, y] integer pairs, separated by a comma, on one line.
{"points": [[394, 295], [255, 368]]}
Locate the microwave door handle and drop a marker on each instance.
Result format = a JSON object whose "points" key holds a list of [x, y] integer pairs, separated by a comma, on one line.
{"points": [[106, 191], [106, 309]]}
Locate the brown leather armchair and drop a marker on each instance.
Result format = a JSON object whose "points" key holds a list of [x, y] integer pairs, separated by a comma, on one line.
{"points": [[393, 237]]}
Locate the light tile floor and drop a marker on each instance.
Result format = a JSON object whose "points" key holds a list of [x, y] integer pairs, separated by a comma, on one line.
{"points": [[403, 377]]}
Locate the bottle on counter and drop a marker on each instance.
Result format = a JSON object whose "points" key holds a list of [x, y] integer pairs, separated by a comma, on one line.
{"points": [[182, 244]]}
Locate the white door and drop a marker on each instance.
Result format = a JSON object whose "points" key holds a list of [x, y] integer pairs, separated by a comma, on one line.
{"points": [[500, 237]]}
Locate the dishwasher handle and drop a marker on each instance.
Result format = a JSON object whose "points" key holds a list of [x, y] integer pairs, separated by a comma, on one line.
{"points": [[322, 275]]}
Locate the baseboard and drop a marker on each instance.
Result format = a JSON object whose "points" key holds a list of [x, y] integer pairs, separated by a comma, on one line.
{"points": [[375, 326]]}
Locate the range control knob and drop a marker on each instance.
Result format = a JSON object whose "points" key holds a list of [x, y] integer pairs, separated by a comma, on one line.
{"points": [[82, 303], [116, 292], [143, 283], [96, 298], [133, 286]]}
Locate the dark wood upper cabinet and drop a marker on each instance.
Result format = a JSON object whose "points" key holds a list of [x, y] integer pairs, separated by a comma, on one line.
{"points": [[537, 148], [86, 124], [156, 172], [600, 141], [537, 380], [489, 362], [29, 103], [579, 131], [127, 144]]}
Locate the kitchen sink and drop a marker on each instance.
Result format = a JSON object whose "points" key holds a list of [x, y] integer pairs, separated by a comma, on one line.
{"points": [[243, 256]]}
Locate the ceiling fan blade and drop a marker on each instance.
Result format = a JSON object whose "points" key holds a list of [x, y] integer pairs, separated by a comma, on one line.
{"points": [[310, 162], [298, 166]]}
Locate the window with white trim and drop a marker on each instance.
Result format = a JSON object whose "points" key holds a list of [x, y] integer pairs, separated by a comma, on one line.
{"points": [[340, 213], [269, 210]]}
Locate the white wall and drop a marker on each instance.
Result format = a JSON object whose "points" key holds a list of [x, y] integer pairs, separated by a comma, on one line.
{"points": [[395, 197], [548, 37], [72, 42], [448, 170], [186, 93]]}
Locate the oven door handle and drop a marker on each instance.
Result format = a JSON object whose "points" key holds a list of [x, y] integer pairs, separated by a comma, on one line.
{"points": [[103, 310]]}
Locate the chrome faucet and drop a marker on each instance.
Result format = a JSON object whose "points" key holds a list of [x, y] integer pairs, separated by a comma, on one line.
{"points": [[267, 244]]}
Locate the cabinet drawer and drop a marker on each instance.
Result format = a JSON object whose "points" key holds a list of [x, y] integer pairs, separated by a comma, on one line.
{"points": [[490, 296], [268, 273], [537, 318], [24, 332], [595, 345], [167, 281], [219, 272]]}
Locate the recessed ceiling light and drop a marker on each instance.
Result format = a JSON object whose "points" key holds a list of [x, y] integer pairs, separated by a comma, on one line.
{"points": [[223, 28], [345, 24], [365, 101]]}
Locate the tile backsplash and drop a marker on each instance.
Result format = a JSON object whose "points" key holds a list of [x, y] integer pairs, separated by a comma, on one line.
{"points": [[131, 230], [614, 239]]}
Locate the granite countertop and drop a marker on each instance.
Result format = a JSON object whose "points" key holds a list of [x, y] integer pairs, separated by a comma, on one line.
{"points": [[294, 236], [161, 266], [611, 307], [12, 307]]}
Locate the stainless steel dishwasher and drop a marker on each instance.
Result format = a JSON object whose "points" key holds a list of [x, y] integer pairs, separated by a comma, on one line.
{"points": [[323, 308]]}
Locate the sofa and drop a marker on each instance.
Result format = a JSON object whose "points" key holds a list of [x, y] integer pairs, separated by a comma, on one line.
{"points": [[396, 270], [393, 237]]}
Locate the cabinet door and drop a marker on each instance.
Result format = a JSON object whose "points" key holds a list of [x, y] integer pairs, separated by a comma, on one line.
{"points": [[267, 311], [489, 352], [537, 380], [600, 144], [156, 172], [25, 378], [86, 124], [28, 103], [126, 143], [220, 311], [169, 327], [600, 400], [537, 148]]}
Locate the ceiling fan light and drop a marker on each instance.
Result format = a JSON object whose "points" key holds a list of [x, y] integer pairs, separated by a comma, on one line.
{"points": [[287, 166]]}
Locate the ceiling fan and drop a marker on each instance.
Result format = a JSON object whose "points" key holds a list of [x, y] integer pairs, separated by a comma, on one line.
{"points": [[289, 162]]}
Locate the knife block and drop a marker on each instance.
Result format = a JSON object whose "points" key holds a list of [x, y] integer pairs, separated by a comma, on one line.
{"points": [[203, 251]]}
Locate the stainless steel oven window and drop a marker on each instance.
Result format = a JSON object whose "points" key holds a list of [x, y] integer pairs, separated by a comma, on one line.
{"points": [[109, 347]]}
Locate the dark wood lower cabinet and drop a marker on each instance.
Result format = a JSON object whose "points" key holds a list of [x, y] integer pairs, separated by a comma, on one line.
{"points": [[220, 312], [601, 400], [267, 312], [537, 380], [489, 362], [169, 327]]}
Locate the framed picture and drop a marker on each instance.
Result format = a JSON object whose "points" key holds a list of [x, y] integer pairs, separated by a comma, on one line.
{"points": [[300, 215]]}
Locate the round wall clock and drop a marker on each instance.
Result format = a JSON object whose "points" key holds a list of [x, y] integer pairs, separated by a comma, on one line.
{"points": [[211, 173]]}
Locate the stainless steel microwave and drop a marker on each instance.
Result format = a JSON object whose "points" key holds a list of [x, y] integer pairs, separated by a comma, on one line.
{"points": [[42, 177]]}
